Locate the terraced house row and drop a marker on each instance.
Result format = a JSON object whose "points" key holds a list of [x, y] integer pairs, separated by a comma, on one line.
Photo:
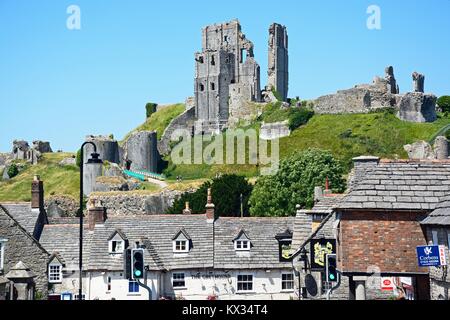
{"points": [[390, 208]]}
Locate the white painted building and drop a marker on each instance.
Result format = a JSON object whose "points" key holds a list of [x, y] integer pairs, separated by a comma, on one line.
{"points": [[186, 256]]}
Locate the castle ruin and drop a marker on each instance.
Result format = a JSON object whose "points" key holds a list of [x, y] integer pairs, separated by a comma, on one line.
{"points": [[278, 67], [227, 75]]}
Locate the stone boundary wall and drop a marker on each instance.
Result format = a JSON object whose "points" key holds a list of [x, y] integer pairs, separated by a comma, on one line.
{"points": [[270, 131], [135, 203]]}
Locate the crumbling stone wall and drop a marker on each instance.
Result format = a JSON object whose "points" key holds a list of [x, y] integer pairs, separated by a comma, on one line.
{"points": [[225, 69], [136, 203], [183, 121], [141, 149], [278, 66]]}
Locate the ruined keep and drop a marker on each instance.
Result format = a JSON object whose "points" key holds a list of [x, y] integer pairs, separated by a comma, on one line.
{"points": [[226, 74], [278, 67], [22, 151]]}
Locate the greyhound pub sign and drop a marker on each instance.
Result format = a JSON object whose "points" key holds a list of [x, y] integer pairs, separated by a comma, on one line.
{"points": [[431, 256], [319, 249]]}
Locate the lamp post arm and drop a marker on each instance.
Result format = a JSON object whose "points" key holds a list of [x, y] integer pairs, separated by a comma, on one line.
{"points": [[80, 257]]}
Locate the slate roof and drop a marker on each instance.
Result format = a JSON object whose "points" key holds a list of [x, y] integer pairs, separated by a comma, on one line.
{"points": [[264, 252], [212, 243], [440, 215], [63, 239], [401, 185], [155, 231], [23, 214]]}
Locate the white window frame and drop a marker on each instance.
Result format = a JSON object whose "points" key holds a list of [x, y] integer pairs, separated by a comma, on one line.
{"points": [[283, 281], [50, 272], [246, 281], [435, 236], [122, 246], [242, 245], [182, 278], [83, 296], [2, 252], [181, 250]]}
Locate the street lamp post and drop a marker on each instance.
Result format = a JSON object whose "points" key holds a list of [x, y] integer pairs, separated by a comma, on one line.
{"points": [[93, 160]]}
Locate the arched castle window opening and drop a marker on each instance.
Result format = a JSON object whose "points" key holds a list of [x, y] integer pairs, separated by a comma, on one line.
{"points": [[202, 87], [213, 61], [213, 86]]}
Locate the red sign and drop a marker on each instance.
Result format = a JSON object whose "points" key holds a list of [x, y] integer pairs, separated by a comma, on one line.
{"points": [[387, 283]]}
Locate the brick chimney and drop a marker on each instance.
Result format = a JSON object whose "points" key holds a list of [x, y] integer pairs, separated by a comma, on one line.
{"points": [[209, 207], [187, 210], [37, 193], [96, 215]]}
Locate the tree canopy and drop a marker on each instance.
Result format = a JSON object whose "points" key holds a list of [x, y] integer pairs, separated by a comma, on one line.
{"points": [[294, 183]]}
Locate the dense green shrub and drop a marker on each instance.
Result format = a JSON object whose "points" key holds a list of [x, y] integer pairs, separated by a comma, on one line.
{"points": [[225, 192], [444, 103], [298, 117], [78, 158], [150, 108], [294, 183], [13, 170]]}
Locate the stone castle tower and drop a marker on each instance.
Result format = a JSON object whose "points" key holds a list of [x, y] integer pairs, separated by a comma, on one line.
{"points": [[278, 67], [226, 74]]}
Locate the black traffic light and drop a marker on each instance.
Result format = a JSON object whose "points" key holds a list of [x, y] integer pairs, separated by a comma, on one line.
{"points": [[137, 263], [127, 263], [331, 268]]}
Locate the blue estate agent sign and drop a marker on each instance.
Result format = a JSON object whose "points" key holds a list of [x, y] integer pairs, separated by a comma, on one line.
{"points": [[428, 256]]}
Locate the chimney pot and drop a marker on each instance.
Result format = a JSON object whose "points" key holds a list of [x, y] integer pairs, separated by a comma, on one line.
{"points": [[209, 207], [96, 215], [37, 193], [187, 210]]}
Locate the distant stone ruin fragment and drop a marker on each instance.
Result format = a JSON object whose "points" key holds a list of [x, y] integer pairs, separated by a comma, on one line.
{"points": [[423, 150], [382, 93], [418, 82], [22, 151]]}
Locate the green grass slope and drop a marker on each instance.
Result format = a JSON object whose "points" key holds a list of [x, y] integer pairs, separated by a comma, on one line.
{"points": [[159, 120], [346, 136], [58, 180]]}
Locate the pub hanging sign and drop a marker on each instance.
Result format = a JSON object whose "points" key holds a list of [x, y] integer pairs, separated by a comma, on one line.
{"points": [[319, 249]]}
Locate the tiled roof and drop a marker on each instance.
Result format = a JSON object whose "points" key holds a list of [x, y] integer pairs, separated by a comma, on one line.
{"points": [[23, 214], [264, 252], [156, 233], [440, 215], [63, 239], [400, 184]]}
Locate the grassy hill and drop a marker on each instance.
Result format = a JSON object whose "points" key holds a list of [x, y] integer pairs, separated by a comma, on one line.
{"points": [[58, 180], [346, 136]]}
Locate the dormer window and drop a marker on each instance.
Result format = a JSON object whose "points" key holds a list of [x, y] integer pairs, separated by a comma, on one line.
{"points": [[55, 267], [181, 242], [242, 245], [242, 242], [117, 242]]}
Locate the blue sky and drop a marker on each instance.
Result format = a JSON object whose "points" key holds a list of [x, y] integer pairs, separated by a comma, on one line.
{"points": [[60, 85]]}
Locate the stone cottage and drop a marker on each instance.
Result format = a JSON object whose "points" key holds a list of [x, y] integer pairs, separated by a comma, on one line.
{"points": [[21, 254]]}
